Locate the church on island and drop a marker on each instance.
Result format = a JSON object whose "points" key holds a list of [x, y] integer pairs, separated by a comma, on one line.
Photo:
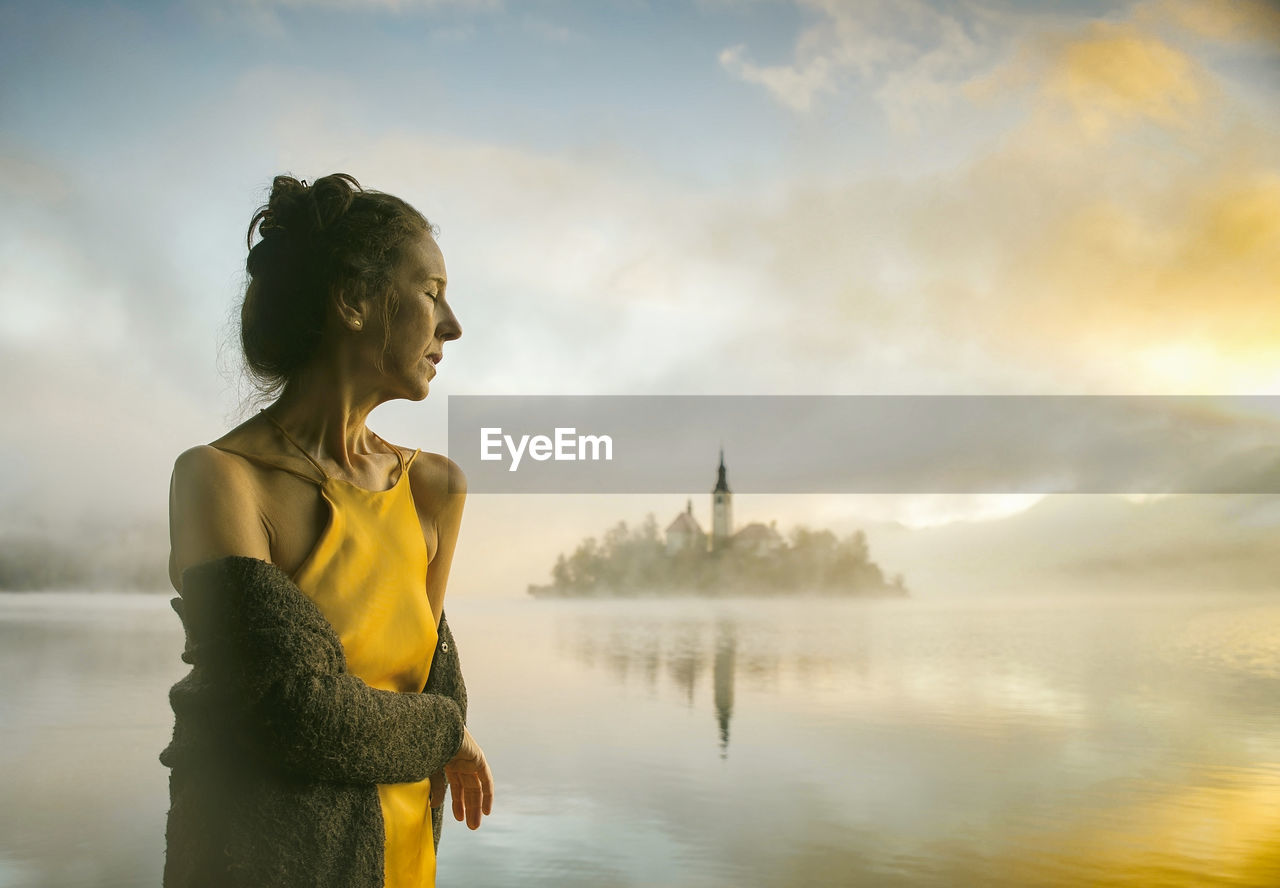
{"points": [[641, 559], [685, 534]]}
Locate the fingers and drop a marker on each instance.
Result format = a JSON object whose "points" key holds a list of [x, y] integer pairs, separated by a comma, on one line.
{"points": [[471, 802], [455, 790], [472, 792], [486, 787]]}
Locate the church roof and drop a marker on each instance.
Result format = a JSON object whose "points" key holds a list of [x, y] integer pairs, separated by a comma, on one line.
{"points": [[684, 523]]}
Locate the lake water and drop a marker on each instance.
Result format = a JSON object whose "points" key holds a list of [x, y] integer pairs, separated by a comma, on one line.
{"points": [[1122, 741]]}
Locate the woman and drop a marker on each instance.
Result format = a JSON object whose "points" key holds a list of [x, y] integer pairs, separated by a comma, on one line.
{"points": [[325, 711]]}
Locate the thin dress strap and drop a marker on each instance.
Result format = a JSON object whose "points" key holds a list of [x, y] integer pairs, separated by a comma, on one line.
{"points": [[262, 460], [301, 449], [404, 464]]}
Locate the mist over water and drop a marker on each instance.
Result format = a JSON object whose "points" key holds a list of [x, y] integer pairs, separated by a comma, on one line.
{"points": [[1125, 740]]}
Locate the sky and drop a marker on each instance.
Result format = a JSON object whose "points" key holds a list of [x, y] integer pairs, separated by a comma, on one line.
{"points": [[709, 197]]}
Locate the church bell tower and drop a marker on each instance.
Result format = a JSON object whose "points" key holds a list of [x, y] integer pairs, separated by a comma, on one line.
{"points": [[721, 510]]}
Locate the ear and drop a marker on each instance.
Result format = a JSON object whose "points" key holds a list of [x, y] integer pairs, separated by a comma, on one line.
{"points": [[351, 309]]}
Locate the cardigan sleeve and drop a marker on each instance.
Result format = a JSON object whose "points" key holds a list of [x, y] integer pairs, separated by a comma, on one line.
{"points": [[260, 640], [337, 728], [445, 678]]}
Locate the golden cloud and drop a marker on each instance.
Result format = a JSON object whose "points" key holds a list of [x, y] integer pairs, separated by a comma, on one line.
{"points": [[1116, 73], [1222, 20], [1177, 287], [1128, 230]]}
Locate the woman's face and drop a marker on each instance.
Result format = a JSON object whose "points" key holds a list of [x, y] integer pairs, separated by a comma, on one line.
{"points": [[423, 322]]}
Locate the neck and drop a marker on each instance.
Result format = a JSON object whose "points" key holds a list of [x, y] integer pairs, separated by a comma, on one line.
{"points": [[325, 410]]}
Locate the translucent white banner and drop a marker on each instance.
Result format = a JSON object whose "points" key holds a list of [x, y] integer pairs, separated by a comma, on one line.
{"points": [[867, 444]]}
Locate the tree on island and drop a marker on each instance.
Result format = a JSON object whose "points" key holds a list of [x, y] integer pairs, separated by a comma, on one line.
{"points": [[630, 562], [751, 560]]}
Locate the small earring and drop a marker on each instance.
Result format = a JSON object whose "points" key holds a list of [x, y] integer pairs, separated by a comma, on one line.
{"points": [[357, 323]]}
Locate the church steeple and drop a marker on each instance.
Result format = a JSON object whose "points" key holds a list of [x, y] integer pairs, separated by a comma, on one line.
{"points": [[721, 509], [722, 483]]}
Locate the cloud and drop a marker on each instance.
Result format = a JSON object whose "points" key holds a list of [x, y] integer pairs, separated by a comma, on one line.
{"points": [[792, 85], [911, 55], [569, 271], [1136, 212], [269, 16], [1114, 72], [1233, 21], [918, 58], [1120, 236], [1198, 264], [1139, 255], [551, 32], [395, 6], [26, 178]]}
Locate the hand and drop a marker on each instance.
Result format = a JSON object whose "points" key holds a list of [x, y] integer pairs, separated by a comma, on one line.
{"points": [[470, 782], [438, 783]]}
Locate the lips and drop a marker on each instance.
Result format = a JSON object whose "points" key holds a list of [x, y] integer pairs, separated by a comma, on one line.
{"points": [[435, 358]]}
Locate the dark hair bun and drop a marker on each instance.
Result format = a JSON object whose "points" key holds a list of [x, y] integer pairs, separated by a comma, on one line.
{"points": [[317, 238], [300, 212]]}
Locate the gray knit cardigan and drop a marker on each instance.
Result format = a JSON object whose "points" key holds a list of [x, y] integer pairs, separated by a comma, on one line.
{"points": [[277, 748]]}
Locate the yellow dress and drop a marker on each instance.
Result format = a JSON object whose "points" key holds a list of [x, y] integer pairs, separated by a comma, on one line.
{"points": [[367, 574]]}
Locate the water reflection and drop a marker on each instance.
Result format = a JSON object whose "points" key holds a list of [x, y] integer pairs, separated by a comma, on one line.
{"points": [[628, 648], [919, 743], [83, 714], [1055, 742], [641, 648], [726, 644]]}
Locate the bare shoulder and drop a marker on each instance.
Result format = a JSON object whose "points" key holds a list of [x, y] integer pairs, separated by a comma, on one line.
{"points": [[439, 484], [439, 492], [213, 510], [204, 477], [438, 473]]}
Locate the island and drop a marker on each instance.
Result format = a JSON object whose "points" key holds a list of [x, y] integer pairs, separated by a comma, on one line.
{"points": [[629, 562]]}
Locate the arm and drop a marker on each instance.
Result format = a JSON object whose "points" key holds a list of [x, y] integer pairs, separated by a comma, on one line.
{"points": [[260, 641], [213, 511], [445, 678], [440, 494], [267, 661], [440, 489], [336, 728], [470, 780], [446, 669]]}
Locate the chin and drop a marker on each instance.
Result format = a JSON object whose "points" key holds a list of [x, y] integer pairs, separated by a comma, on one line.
{"points": [[421, 389], [410, 389], [414, 385]]}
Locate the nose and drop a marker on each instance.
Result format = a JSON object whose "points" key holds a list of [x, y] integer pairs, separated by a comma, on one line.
{"points": [[448, 328]]}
